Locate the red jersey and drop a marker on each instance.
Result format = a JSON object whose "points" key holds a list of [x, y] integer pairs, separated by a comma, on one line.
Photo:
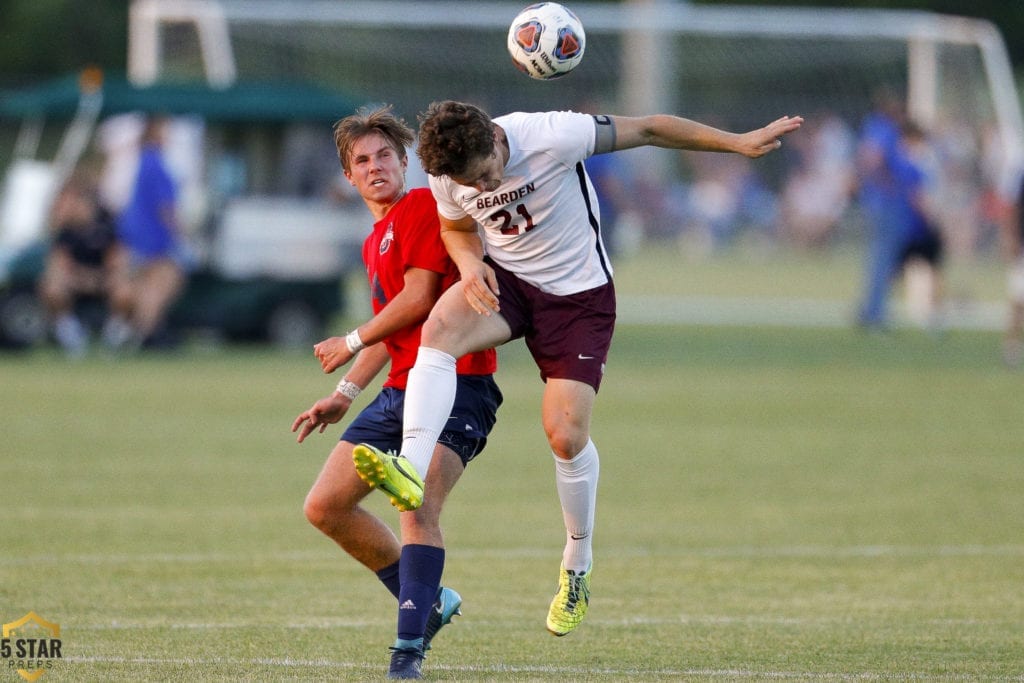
{"points": [[409, 236]]}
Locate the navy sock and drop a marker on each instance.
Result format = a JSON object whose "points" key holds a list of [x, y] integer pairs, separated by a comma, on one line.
{"points": [[420, 571], [389, 577]]}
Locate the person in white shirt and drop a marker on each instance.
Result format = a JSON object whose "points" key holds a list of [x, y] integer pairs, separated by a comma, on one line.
{"points": [[521, 221]]}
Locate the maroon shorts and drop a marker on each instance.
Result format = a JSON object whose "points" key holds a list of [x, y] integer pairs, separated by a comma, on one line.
{"points": [[568, 336]]}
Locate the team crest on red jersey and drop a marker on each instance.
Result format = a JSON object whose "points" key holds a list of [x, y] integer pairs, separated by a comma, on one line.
{"points": [[389, 237]]}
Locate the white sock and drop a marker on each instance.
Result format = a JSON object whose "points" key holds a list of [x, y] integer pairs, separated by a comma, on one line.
{"points": [[576, 481], [429, 396]]}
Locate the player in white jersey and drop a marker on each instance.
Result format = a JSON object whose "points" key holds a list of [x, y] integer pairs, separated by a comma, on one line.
{"points": [[515, 188], [537, 223]]}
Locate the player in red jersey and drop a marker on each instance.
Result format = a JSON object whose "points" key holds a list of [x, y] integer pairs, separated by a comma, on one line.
{"points": [[408, 268]]}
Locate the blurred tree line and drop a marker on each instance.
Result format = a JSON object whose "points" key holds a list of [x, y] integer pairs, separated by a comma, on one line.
{"points": [[43, 38]]}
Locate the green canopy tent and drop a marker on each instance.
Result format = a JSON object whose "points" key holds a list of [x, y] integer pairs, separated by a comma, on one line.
{"points": [[82, 100], [244, 101]]}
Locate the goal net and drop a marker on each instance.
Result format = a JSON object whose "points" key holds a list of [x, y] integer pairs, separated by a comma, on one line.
{"points": [[735, 67]]}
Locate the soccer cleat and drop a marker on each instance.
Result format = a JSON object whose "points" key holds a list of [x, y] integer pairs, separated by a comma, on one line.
{"points": [[446, 605], [406, 660], [569, 605], [392, 474]]}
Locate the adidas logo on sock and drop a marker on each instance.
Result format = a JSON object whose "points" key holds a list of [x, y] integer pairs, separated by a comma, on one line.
{"points": [[408, 604]]}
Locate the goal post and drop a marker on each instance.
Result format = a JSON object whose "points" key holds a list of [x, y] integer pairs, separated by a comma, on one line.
{"points": [[735, 66]]}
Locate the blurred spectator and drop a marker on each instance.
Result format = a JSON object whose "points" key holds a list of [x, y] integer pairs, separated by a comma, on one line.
{"points": [[960, 185], [725, 198], [1013, 247], [310, 168], [897, 172], [923, 252], [155, 268], [610, 177], [81, 263], [118, 141], [887, 183], [658, 209], [817, 194]]}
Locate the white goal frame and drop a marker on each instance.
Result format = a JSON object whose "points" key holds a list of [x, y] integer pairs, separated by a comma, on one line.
{"points": [[922, 32]]}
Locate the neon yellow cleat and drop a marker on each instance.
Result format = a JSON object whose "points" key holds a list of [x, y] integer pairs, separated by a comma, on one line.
{"points": [[392, 474], [569, 605]]}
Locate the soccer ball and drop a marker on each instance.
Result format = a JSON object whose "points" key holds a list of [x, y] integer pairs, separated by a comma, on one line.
{"points": [[546, 41]]}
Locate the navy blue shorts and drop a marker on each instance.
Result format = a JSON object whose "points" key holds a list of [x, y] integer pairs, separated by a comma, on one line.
{"points": [[568, 336], [477, 398], [927, 246]]}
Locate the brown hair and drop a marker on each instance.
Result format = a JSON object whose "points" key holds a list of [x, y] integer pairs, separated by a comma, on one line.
{"points": [[368, 120], [452, 135]]}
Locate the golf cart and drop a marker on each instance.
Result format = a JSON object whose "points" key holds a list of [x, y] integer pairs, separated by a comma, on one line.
{"points": [[272, 254]]}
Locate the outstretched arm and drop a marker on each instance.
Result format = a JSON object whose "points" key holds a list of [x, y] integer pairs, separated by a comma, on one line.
{"points": [[674, 132]]}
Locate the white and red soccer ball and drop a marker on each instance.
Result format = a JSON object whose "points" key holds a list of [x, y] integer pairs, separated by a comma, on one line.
{"points": [[546, 41]]}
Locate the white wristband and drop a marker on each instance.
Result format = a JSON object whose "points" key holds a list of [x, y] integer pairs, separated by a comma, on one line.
{"points": [[348, 389], [353, 342]]}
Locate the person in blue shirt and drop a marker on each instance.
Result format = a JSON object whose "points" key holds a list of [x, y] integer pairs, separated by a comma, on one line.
{"points": [[891, 194], [154, 271]]}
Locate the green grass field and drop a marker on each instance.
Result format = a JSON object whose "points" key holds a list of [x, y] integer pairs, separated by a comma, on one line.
{"points": [[776, 504]]}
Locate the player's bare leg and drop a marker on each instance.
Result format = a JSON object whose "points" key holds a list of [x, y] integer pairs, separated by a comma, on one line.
{"points": [[332, 506], [566, 414]]}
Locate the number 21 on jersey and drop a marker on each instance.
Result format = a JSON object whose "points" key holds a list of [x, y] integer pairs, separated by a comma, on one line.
{"points": [[510, 224]]}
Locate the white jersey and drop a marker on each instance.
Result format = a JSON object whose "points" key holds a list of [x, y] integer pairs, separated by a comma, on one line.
{"points": [[543, 223]]}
